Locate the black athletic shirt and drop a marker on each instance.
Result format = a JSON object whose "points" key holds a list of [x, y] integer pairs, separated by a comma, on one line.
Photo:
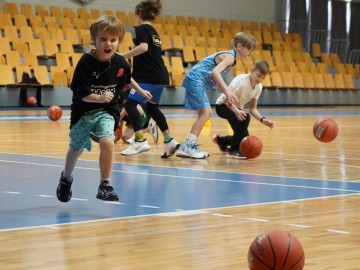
{"points": [[93, 76], [149, 67]]}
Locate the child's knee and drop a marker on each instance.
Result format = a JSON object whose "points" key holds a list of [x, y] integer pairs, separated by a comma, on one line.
{"points": [[208, 113], [106, 143]]}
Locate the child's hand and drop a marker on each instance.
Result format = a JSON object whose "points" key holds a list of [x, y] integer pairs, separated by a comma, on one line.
{"points": [[240, 115], [106, 97], [230, 97], [268, 123], [146, 94]]}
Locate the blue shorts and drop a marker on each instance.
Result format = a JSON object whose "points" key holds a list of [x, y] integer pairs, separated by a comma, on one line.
{"points": [[196, 97], [156, 91], [93, 125]]}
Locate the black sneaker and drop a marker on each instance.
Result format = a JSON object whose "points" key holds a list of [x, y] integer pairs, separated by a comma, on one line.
{"points": [[223, 148], [235, 154], [63, 191], [106, 192]]}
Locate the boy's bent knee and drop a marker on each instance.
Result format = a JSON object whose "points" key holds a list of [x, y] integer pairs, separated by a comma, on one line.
{"points": [[106, 143], [206, 113]]}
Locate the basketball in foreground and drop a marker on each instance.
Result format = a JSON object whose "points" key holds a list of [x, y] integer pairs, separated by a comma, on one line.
{"points": [[54, 112], [325, 130], [31, 101], [276, 250], [251, 146], [118, 134]]}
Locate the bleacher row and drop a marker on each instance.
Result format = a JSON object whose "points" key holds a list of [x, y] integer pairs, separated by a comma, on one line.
{"points": [[47, 42]]}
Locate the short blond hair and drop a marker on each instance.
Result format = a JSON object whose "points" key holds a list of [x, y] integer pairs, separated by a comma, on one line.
{"points": [[107, 23], [246, 40]]}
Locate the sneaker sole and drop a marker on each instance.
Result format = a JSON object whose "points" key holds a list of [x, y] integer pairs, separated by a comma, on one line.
{"points": [[235, 157], [63, 198], [155, 134], [186, 156], [110, 199], [173, 152], [145, 150]]}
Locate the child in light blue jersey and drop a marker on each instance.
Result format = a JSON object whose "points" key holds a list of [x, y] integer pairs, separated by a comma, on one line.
{"points": [[201, 78]]}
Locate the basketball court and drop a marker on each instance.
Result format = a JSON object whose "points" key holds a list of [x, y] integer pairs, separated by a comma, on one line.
{"points": [[180, 213]]}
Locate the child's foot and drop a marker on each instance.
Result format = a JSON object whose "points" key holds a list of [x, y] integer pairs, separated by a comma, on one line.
{"points": [[170, 148], [153, 129], [63, 191], [223, 148], [131, 140], [106, 192], [189, 149], [136, 148], [235, 154]]}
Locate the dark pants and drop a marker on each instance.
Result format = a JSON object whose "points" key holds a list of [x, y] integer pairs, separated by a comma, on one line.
{"points": [[152, 110], [240, 128]]}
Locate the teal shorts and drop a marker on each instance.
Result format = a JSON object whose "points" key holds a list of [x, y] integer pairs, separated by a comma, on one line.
{"points": [[92, 126]]}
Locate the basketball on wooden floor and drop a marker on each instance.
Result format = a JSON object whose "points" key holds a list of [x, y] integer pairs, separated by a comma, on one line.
{"points": [[31, 101], [54, 112], [276, 250], [325, 130], [118, 134], [251, 146]]}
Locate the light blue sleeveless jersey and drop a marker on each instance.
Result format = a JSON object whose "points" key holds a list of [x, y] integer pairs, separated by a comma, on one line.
{"points": [[202, 71]]}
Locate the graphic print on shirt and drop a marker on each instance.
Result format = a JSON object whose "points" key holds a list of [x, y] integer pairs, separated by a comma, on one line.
{"points": [[156, 40], [100, 89]]}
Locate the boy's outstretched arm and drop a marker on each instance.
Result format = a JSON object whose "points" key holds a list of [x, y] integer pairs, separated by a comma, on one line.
{"points": [[255, 112]]}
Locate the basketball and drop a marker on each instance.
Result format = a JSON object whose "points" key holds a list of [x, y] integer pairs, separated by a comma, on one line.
{"points": [[54, 112], [31, 101], [118, 134], [325, 130], [276, 250], [251, 146]]}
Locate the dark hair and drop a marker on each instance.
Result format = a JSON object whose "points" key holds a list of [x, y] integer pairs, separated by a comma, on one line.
{"points": [[262, 66], [148, 10]]}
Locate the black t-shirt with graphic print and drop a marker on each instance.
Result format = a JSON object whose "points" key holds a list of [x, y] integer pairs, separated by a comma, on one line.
{"points": [[149, 67], [93, 76]]}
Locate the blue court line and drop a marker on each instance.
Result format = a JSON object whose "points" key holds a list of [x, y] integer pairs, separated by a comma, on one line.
{"points": [[27, 191]]}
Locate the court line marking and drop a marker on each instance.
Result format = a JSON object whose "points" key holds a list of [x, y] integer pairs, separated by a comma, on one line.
{"points": [[157, 214], [337, 231], [202, 178], [182, 213], [149, 206], [257, 219], [298, 225], [167, 167]]}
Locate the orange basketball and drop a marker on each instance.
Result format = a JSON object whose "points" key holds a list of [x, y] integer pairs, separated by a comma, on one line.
{"points": [[118, 134], [54, 112], [325, 130], [31, 101], [251, 146], [276, 250]]}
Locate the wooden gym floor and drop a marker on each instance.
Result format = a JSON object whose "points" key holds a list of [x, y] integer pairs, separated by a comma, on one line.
{"points": [[181, 213]]}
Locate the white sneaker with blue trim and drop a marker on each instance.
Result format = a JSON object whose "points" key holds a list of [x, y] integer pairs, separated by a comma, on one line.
{"points": [[189, 149]]}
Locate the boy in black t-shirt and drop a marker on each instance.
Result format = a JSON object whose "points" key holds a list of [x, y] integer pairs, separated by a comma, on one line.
{"points": [[98, 80]]}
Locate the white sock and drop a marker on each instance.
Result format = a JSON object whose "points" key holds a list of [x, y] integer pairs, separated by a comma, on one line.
{"points": [[191, 137]]}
